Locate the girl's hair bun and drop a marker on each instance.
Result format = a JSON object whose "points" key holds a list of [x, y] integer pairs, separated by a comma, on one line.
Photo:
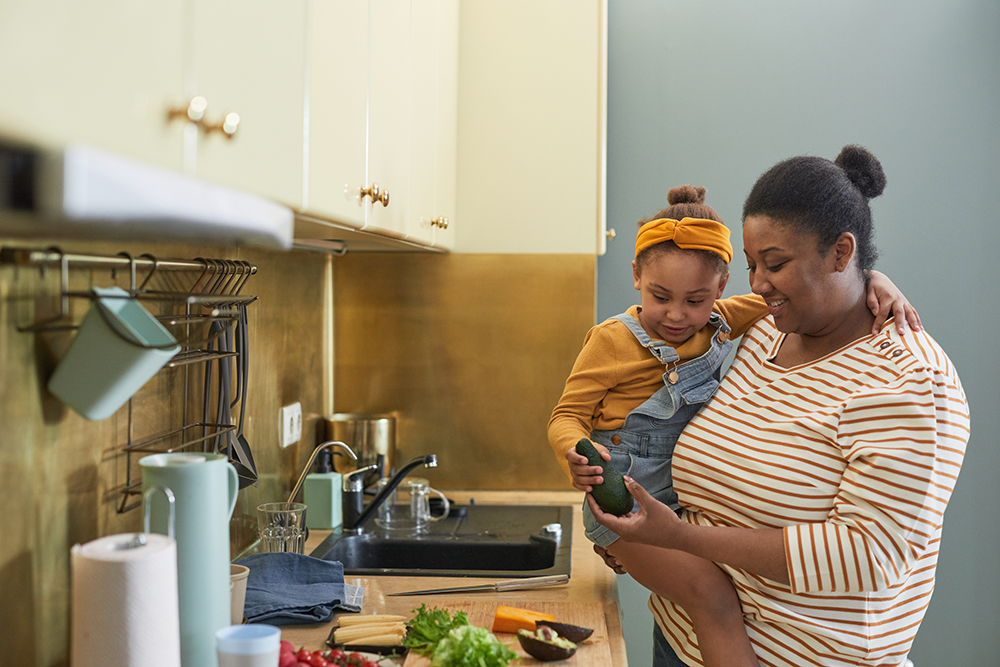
{"points": [[686, 194], [863, 169]]}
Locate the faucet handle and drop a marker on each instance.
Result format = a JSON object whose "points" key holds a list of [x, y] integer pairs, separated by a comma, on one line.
{"points": [[354, 480]]}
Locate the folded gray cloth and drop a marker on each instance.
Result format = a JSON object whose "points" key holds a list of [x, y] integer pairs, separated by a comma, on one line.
{"points": [[292, 589]]}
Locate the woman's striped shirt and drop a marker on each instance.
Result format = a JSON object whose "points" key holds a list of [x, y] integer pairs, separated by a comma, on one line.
{"points": [[855, 455]]}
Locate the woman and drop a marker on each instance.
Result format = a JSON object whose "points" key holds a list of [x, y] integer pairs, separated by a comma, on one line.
{"points": [[818, 475]]}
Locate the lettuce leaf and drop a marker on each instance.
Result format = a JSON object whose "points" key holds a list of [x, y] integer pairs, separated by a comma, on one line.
{"points": [[472, 646], [430, 626]]}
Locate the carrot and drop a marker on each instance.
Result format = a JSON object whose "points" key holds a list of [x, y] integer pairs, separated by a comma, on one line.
{"points": [[512, 619]]}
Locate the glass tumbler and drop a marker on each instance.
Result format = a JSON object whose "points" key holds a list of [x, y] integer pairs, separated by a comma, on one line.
{"points": [[282, 527]]}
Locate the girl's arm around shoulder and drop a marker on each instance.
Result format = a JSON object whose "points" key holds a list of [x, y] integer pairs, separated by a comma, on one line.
{"points": [[884, 299], [741, 312]]}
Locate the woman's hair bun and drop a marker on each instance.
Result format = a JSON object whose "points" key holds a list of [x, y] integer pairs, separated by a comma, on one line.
{"points": [[863, 169], [686, 194]]}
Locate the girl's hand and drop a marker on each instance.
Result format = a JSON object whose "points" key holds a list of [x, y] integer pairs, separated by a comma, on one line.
{"points": [[585, 476], [654, 523], [885, 299]]}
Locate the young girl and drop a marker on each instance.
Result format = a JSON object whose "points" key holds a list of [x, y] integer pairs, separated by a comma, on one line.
{"points": [[642, 375]]}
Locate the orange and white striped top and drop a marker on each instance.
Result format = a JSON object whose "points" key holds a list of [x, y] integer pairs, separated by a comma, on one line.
{"points": [[855, 455]]}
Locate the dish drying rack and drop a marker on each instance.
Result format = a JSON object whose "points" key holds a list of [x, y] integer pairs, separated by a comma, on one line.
{"points": [[205, 301]]}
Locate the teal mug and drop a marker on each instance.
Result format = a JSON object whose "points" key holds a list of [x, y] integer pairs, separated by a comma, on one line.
{"points": [[205, 488]]}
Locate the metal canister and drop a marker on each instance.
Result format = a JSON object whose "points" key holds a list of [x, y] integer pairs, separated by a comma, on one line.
{"points": [[371, 436]]}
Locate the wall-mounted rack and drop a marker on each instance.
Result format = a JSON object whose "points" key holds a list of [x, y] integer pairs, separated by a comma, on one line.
{"points": [[202, 300]]}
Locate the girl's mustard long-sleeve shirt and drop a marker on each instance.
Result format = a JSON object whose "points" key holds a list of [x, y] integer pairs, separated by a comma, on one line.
{"points": [[614, 374]]}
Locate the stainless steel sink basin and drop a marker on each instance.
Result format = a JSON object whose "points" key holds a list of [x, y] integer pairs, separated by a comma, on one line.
{"points": [[505, 541]]}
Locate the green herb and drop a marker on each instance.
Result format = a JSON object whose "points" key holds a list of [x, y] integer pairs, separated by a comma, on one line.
{"points": [[472, 646], [430, 626]]}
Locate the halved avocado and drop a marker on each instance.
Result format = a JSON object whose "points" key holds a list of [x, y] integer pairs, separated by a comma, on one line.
{"points": [[545, 644], [574, 633]]}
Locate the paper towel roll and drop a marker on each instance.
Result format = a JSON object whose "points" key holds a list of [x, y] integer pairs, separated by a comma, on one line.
{"points": [[124, 602]]}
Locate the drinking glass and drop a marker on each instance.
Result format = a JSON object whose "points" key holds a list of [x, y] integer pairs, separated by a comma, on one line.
{"points": [[408, 507], [282, 527]]}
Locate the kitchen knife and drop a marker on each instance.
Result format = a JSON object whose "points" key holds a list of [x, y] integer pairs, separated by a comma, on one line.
{"points": [[505, 585]]}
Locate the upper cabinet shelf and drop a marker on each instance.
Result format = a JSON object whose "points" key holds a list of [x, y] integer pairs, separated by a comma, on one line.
{"points": [[473, 129]]}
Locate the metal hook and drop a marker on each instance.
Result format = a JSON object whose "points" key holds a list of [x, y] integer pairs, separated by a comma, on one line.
{"points": [[63, 280], [212, 277], [204, 272], [156, 265], [231, 273], [246, 269], [131, 268], [221, 272]]}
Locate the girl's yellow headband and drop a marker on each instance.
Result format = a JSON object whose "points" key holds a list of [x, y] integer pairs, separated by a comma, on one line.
{"points": [[688, 233]]}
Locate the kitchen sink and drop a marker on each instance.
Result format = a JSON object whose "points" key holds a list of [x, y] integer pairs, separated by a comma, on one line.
{"points": [[507, 541]]}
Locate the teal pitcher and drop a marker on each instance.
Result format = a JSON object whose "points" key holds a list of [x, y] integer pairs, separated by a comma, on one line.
{"points": [[205, 488]]}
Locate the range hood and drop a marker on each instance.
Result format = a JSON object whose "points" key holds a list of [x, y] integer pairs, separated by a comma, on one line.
{"points": [[79, 191]]}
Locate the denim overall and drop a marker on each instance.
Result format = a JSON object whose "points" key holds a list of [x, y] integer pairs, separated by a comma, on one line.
{"points": [[643, 446]]}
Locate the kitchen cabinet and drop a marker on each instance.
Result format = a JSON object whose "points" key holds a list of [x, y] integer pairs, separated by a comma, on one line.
{"points": [[107, 72], [358, 105], [93, 72], [382, 104], [248, 57], [531, 127], [337, 136], [433, 122]]}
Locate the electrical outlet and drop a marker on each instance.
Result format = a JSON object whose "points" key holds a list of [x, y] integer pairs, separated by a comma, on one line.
{"points": [[290, 421]]}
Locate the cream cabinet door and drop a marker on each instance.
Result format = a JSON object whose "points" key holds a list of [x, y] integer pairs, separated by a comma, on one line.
{"points": [[338, 111], [433, 117], [388, 113], [101, 72], [531, 138], [248, 57]]}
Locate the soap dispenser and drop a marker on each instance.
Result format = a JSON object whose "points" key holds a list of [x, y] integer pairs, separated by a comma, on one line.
{"points": [[321, 493]]}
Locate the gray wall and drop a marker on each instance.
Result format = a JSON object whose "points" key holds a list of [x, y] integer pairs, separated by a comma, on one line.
{"points": [[713, 93]]}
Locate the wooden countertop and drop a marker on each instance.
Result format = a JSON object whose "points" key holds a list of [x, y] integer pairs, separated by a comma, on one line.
{"points": [[590, 580]]}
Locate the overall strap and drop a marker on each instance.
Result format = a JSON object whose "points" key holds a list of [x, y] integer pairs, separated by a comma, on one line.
{"points": [[659, 349]]}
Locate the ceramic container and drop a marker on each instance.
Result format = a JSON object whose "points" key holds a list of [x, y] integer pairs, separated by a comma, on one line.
{"points": [[205, 487]]}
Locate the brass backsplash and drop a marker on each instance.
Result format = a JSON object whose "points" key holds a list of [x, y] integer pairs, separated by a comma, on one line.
{"points": [[470, 351], [61, 475]]}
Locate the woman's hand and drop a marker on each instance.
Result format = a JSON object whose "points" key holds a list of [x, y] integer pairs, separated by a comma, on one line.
{"points": [[585, 476], [654, 523], [885, 299]]}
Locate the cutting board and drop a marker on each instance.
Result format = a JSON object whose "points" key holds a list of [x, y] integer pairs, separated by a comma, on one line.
{"points": [[595, 652]]}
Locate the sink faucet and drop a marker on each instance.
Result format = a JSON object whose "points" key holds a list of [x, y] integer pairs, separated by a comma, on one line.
{"points": [[355, 514], [305, 471]]}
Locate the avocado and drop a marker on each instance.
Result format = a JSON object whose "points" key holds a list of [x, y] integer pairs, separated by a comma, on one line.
{"points": [[545, 644], [611, 495], [574, 633]]}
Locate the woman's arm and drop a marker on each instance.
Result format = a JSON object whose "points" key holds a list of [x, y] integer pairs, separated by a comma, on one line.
{"points": [[902, 443], [760, 551]]}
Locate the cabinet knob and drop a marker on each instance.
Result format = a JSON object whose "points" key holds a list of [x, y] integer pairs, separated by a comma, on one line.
{"points": [[377, 196], [194, 112], [227, 126], [610, 234], [441, 222]]}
